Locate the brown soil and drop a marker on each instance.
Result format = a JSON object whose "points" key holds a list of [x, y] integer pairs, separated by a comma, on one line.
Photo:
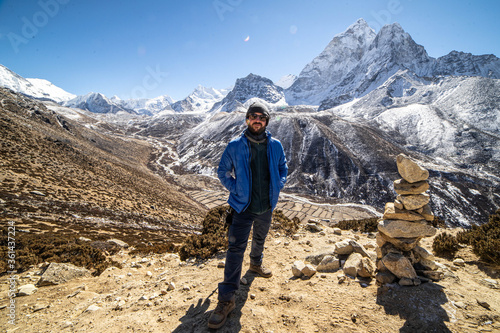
{"points": [[281, 303]]}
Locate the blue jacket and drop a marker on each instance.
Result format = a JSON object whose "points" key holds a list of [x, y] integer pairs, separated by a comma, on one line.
{"points": [[234, 171]]}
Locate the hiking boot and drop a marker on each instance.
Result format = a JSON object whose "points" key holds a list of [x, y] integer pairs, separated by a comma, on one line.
{"points": [[219, 315], [261, 270]]}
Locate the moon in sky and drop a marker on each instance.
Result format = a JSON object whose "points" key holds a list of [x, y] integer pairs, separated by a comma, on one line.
{"points": [[247, 39]]}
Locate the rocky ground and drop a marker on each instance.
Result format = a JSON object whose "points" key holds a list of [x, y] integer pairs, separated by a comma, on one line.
{"points": [[159, 293]]}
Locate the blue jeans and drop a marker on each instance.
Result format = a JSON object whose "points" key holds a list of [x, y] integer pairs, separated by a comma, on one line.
{"points": [[239, 231]]}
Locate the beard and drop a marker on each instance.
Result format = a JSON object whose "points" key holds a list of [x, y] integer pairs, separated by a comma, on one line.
{"points": [[257, 131]]}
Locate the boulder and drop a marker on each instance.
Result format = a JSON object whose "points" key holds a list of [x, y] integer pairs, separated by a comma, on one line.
{"points": [[316, 258], [384, 277], [308, 270], [399, 265], [26, 290], [422, 253], [57, 273], [403, 187], [402, 243], [405, 229], [353, 264], [410, 170], [426, 212], [343, 247], [297, 268], [358, 248], [118, 242], [328, 264], [367, 269], [414, 201], [391, 212]]}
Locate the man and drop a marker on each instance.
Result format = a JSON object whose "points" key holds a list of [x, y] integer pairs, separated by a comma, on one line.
{"points": [[253, 168]]}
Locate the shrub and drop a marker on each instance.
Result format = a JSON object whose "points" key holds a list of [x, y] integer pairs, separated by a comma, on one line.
{"points": [[485, 239], [213, 237], [284, 224], [363, 225], [156, 248], [445, 245], [32, 249]]}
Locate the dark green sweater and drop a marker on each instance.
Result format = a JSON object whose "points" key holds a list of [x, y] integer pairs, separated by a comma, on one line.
{"points": [[259, 165]]}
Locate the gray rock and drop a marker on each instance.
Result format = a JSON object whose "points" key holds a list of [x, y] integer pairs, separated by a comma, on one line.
{"points": [[490, 283], [428, 264], [384, 277], [459, 262], [315, 259], [118, 242], [92, 308], [57, 273], [328, 264], [314, 227], [433, 275]]}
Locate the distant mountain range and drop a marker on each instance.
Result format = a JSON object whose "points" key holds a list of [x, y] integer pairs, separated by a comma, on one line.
{"points": [[366, 98]]}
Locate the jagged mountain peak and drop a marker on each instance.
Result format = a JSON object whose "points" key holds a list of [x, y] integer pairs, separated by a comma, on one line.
{"points": [[340, 56], [251, 86], [96, 103]]}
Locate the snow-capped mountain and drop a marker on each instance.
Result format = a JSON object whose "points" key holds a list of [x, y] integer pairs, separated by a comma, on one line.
{"points": [[145, 106], [286, 81], [393, 99], [340, 56], [36, 88], [202, 99], [247, 89], [357, 61], [96, 103]]}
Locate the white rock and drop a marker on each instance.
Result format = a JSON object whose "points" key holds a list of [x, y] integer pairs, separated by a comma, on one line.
{"points": [[27, 289], [297, 268], [92, 308]]}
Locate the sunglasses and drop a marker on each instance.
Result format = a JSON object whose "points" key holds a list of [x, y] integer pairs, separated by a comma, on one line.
{"points": [[256, 116]]}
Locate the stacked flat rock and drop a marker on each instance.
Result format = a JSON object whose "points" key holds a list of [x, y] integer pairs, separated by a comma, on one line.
{"points": [[405, 222]]}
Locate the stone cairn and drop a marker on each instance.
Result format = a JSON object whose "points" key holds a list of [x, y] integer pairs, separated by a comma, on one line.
{"points": [[405, 222]]}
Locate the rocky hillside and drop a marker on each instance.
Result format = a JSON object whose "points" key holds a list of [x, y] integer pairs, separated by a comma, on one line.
{"points": [[56, 174]]}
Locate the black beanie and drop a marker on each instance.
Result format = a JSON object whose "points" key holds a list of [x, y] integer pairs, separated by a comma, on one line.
{"points": [[260, 108]]}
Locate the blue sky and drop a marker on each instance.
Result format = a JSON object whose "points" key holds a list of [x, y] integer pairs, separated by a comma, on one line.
{"points": [[150, 48]]}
